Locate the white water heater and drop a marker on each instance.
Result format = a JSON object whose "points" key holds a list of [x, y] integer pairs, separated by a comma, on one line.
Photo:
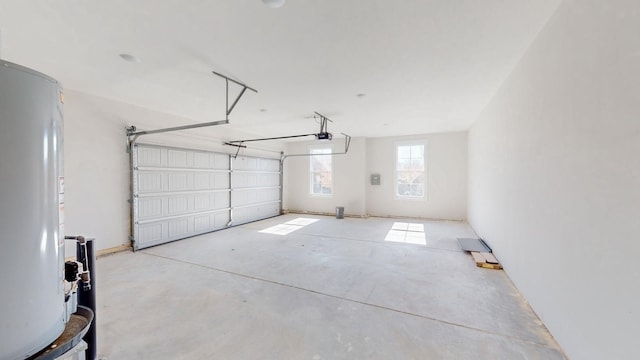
{"points": [[32, 310]]}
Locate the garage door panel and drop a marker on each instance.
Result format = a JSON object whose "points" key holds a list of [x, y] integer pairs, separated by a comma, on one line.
{"points": [[201, 223], [149, 208], [238, 198], [149, 157], [149, 182], [269, 195], [247, 214], [178, 204], [221, 200], [176, 228], [256, 189], [248, 180], [179, 227], [220, 161], [179, 182], [245, 163], [255, 196], [179, 158], [204, 222], [202, 160], [203, 202], [268, 165], [269, 180], [221, 219], [160, 206], [178, 193], [251, 180], [149, 233], [202, 181], [220, 181]]}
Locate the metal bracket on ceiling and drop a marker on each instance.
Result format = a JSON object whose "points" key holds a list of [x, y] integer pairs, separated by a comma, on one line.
{"points": [[323, 122], [244, 88], [133, 134]]}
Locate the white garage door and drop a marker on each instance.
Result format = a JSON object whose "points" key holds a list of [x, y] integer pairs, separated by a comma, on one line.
{"points": [[178, 193], [255, 189]]}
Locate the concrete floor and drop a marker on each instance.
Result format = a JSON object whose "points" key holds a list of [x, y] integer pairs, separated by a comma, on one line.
{"points": [[333, 289]]}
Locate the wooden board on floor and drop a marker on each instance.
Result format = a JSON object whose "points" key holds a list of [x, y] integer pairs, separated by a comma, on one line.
{"points": [[477, 257], [489, 258], [482, 261]]}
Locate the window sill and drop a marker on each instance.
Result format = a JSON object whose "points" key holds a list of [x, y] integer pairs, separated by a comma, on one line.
{"points": [[320, 196], [411, 198]]}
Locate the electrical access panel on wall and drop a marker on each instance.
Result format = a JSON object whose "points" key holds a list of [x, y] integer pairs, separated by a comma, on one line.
{"points": [[375, 179]]}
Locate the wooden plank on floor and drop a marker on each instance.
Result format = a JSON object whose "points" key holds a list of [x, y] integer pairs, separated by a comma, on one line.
{"points": [[490, 266], [479, 259], [482, 260], [489, 258], [113, 250]]}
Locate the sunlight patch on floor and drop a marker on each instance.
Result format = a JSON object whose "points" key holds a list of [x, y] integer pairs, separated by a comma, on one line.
{"points": [[407, 233], [289, 226]]}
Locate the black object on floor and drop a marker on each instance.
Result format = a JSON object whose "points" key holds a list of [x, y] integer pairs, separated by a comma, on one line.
{"points": [[74, 330], [477, 245]]}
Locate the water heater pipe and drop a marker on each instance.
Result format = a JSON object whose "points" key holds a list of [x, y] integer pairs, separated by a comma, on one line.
{"points": [[87, 293]]}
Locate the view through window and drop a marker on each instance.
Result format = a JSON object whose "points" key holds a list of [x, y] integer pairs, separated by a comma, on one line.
{"points": [[410, 174], [320, 168]]}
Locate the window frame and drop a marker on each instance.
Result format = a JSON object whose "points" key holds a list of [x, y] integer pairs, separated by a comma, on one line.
{"points": [[396, 170], [311, 173]]}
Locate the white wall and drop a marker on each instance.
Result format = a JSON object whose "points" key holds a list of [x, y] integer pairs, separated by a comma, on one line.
{"points": [[96, 173], [348, 179], [446, 186], [97, 164], [446, 178], [554, 170]]}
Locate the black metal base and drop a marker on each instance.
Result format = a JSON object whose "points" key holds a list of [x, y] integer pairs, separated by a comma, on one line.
{"points": [[73, 333]]}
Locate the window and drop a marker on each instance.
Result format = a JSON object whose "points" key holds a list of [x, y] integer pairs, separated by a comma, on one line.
{"points": [[320, 171], [410, 174]]}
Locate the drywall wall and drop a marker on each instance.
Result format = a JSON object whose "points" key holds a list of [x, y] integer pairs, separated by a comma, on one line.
{"points": [[348, 179], [446, 178], [554, 170], [446, 167], [96, 172], [97, 164]]}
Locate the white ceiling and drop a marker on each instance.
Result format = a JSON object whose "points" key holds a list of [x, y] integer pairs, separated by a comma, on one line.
{"points": [[425, 65]]}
